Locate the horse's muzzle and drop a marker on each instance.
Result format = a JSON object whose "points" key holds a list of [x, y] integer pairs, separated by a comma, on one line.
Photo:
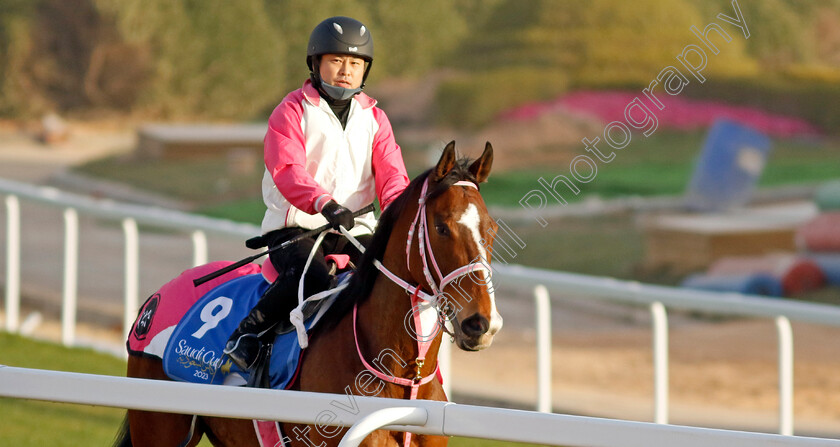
{"points": [[475, 326], [474, 333]]}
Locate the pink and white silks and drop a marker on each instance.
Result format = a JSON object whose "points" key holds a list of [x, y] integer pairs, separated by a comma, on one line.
{"points": [[310, 158]]}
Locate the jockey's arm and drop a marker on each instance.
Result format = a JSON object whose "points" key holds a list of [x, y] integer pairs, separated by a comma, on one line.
{"points": [[388, 167], [285, 159]]}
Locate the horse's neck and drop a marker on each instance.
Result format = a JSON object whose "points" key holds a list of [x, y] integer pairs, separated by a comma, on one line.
{"points": [[386, 327], [386, 333]]}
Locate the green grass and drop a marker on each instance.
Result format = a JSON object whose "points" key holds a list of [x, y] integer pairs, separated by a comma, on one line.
{"points": [[603, 246], [202, 181], [30, 423], [245, 210], [33, 423]]}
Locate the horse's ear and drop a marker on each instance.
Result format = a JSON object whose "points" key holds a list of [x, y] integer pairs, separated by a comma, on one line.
{"points": [[480, 169], [446, 162]]}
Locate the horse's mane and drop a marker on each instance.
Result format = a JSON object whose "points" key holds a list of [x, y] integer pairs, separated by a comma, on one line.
{"points": [[363, 279]]}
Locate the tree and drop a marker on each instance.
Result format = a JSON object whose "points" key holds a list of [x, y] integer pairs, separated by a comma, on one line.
{"points": [[597, 42], [211, 58], [16, 94], [413, 37]]}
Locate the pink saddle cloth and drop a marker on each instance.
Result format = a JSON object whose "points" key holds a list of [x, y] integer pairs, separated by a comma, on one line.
{"points": [[164, 309]]}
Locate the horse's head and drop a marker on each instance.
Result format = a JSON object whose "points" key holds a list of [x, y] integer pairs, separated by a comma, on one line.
{"points": [[460, 238]]}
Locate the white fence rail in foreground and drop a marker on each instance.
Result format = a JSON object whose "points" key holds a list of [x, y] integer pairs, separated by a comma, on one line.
{"points": [[423, 417], [657, 298]]}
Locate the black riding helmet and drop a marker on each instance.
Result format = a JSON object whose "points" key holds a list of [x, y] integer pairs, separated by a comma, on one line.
{"points": [[339, 35]]}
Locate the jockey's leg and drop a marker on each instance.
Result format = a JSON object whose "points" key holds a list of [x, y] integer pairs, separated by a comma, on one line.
{"points": [[279, 299], [243, 346]]}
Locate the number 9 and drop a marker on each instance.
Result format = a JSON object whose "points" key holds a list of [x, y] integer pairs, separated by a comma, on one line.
{"points": [[211, 319]]}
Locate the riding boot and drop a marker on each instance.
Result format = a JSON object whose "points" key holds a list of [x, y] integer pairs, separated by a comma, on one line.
{"points": [[273, 308], [244, 344]]}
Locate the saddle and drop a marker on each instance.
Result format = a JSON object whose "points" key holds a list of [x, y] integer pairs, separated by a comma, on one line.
{"points": [[336, 262], [194, 350]]}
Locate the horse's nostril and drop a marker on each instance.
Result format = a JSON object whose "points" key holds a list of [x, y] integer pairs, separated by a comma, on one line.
{"points": [[475, 326]]}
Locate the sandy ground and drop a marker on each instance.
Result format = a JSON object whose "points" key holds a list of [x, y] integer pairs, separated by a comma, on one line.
{"points": [[722, 374], [23, 157]]}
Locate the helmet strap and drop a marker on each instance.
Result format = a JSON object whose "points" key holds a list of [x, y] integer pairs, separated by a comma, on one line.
{"points": [[316, 79], [367, 71], [315, 74]]}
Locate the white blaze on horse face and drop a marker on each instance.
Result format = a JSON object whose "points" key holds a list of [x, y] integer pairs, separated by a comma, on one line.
{"points": [[471, 219]]}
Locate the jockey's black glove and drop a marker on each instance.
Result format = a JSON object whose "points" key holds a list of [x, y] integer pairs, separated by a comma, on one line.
{"points": [[338, 215]]}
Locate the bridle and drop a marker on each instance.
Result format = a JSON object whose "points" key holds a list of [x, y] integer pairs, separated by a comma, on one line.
{"points": [[419, 297]]}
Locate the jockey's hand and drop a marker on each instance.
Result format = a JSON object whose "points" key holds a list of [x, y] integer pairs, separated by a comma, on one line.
{"points": [[338, 215]]}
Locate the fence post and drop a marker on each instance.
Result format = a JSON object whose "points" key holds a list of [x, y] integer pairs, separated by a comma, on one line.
{"points": [[132, 262], [785, 335], [660, 362], [71, 277], [12, 263], [543, 319], [199, 240], [445, 362]]}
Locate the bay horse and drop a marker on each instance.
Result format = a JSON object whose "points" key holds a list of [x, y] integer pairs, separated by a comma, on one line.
{"points": [[430, 251]]}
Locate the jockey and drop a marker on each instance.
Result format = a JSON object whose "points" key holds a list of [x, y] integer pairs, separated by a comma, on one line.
{"points": [[329, 151]]}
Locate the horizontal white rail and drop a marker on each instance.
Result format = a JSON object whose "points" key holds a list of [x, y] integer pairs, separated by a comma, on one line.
{"points": [[610, 289], [143, 215], [130, 215], [569, 284], [442, 418]]}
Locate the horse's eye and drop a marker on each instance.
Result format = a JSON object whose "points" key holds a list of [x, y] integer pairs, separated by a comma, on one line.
{"points": [[442, 229]]}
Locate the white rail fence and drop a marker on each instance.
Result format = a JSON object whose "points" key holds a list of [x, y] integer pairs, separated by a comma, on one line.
{"points": [[130, 216], [368, 414], [656, 298]]}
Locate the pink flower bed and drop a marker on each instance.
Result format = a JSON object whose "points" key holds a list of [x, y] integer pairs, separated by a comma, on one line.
{"points": [[679, 113]]}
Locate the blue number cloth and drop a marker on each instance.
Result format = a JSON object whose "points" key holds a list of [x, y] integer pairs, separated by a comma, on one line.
{"points": [[194, 352]]}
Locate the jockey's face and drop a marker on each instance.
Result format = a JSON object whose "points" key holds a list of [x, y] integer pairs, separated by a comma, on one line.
{"points": [[342, 70]]}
